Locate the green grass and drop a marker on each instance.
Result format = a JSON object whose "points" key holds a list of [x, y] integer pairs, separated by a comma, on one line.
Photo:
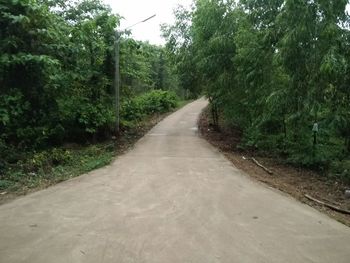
{"points": [[183, 103], [43, 169]]}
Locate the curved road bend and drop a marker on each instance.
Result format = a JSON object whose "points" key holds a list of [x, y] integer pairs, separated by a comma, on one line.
{"points": [[173, 198]]}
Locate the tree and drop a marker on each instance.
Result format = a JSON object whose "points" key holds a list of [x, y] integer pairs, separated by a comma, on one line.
{"points": [[273, 68]]}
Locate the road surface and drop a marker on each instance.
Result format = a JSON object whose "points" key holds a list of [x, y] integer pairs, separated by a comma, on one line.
{"points": [[173, 198]]}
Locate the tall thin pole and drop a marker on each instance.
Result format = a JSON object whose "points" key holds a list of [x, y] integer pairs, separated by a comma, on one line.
{"points": [[117, 74], [117, 81]]}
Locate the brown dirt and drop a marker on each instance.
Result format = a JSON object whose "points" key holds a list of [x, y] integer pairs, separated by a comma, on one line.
{"points": [[295, 181]]}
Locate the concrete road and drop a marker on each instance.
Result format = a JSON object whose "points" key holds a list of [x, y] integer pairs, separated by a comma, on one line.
{"points": [[173, 198]]}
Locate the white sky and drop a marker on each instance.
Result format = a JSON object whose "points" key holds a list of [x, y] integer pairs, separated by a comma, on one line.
{"points": [[134, 11]]}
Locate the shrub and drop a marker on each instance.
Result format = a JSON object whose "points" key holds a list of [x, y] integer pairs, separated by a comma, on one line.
{"points": [[131, 110], [341, 169], [45, 160], [155, 101], [4, 184]]}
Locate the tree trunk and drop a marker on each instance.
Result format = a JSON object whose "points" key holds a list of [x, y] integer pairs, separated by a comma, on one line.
{"points": [[215, 116]]}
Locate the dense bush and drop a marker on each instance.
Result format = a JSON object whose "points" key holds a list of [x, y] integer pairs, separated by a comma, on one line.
{"points": [[155, 101]]}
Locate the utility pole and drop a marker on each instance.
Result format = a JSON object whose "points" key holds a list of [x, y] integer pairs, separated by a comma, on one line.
{"points": [[117, 82], [118, 35]]}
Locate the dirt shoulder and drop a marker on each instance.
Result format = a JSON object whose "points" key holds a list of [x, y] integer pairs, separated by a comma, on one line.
{"points": [[296, 182]]}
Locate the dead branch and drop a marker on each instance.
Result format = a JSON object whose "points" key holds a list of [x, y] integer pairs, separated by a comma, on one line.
{"points": [[338, 209], [261, 166]]}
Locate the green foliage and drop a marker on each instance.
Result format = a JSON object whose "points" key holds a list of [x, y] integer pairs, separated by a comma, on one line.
{"points": [[45, 160], [182, 52], [5, 184], [155, 101], [341, 169], [57, 69], [273, 68], [144, 67], [52, 166]]}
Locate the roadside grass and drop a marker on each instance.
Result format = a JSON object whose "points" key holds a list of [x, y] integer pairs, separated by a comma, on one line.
{"points": [[183, 103], [40, 170]]}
